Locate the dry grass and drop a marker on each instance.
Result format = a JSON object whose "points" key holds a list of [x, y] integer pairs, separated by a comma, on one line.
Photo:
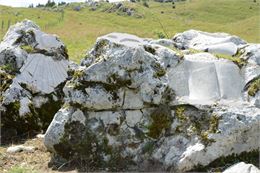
{"points": [[26, 162]]}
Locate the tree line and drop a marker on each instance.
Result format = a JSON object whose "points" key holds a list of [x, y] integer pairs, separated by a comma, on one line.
{"points": [[50, 3]]}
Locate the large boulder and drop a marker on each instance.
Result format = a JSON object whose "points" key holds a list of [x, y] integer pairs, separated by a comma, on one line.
{"points": [[221, 43], [33, 66], [134, 104]]}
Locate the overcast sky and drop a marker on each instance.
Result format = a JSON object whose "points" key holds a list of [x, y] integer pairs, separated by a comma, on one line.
{"points": [[26, 3]]}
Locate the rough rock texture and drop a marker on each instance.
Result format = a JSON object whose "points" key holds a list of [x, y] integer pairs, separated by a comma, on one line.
{"points": [[134, 104], [242, 167], [33, 71]]}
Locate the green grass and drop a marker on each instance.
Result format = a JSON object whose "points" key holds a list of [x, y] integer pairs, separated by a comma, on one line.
{"points": [[19, 169], [236, 59], [79, 30], [28, 48]]}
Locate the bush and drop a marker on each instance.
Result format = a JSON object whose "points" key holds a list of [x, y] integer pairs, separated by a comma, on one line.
{"points": [[160, 34]]}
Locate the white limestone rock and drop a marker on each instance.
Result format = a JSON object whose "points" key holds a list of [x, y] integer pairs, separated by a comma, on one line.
{"points": [[141, 102], [163, 42], [252, 53], [220, 43], [242, 167], [37, 63], [206, 78]]}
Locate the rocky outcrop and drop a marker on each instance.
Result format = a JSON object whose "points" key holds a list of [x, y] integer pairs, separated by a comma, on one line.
{"points": [[34, 69], [147, 105]]}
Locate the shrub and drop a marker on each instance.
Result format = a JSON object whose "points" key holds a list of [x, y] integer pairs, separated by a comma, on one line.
{"points": [[160, 34]]}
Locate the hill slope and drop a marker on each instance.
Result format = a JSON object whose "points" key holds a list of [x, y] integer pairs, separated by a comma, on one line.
{"points": [[79, 29]]}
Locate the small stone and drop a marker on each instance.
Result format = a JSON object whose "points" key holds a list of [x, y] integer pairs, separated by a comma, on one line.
{"points": [[20, 148]]}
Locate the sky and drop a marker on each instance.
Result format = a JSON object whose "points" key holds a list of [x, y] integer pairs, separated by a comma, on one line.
{"points": [[26, 3]]}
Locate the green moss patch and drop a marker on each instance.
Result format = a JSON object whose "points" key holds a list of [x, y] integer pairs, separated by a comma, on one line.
{"points": [[161, 121], [236, 59], [28, 48], [6, 81], [193, 121], [79, 142]]}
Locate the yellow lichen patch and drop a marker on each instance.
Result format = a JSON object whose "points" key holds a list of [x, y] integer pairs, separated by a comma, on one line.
{"points": [[178, 51], [78, 73], [28, 48], [194, 51], [236, 59], [6, 80], [254, 87], [180, 114]]}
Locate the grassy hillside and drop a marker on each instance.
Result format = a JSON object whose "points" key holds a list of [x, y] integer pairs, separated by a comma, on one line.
{"points": [[79, 29]]}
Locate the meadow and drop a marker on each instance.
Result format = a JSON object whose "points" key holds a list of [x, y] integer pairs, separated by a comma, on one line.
{"points": [[80, 29]]}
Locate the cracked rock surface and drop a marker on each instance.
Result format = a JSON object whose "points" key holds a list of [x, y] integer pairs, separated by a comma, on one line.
{"points": [[147, 105], [33, 68]]}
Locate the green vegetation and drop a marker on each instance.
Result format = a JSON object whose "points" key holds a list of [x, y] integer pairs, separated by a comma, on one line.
{"points": [[254, 87], [196, 122], [78, 74], [180, 114], [79, 29], [19, 169], [28, 48], [161, 121], [236, 59], [8, 68]]}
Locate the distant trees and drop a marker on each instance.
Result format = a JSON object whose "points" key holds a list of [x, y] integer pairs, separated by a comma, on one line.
{"points": [[40, 5], [51, 3], [31, 6], [61, 3]]}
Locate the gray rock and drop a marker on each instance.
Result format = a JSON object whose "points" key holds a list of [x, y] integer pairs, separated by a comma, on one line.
{"points": [[220, 43], [134, 104], [36, 65], [252, 53]]}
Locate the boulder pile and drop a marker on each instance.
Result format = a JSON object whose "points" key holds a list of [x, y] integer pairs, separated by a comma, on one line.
{"points": [[33, 69], [160, 105]]}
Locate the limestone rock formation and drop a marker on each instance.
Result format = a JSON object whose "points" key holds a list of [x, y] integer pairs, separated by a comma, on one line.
{"points": [[141, 104], [33, 70]]}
